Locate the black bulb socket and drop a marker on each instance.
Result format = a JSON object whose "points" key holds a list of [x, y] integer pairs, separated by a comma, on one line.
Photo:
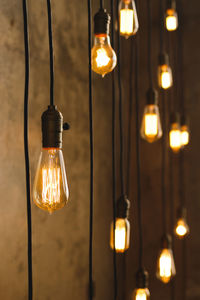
{"points": [[163, 59], [123, 206], [52, 128], [171, 4], [175, 118], [142, 279], [152, 97], [166, 241], [101, 22]]}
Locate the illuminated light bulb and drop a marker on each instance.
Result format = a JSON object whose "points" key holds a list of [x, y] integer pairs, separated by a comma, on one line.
{"points": [[182, 228], [171, 17], [175, 134], [165, 80], [166, 267], [104, 58], [50, 189], [185, 133], [128, 19], [121, 238], [141, 292], [151, 129]]}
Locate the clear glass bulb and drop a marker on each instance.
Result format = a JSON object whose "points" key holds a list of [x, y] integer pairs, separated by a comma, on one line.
{"points": [[166, 267], [175, 138], [185, 135], [182, 228], [128, 18], [151, 129], [122, 235], [141, 294], [104, 58], [50, 189], [165, 80], [171, 19]]}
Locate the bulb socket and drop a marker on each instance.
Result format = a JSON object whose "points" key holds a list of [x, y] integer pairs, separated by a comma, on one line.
{"points": [[184, 120], [166, 241], [175, 118], [101, 22], [181, 213], [142, 279], [152, 97], [163, 59], [171, 4], [52, 128], [123, 206]]}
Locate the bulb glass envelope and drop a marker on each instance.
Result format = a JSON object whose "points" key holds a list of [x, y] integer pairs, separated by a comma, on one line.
{"points": [[122, 235], [128, 20]]}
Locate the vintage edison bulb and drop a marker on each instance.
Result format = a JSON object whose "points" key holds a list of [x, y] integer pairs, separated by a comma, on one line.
{"points": [[122, 235], [151, 129], [128, 18], [171, 19], [166, 267], [141, 294], [50, 190], [182, 228], [185, 135], [165, 76], [104, 58], [175, 137]]}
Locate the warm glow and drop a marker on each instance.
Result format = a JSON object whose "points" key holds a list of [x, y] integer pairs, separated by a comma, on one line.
{"points": [[181, 228], [175, 139], [122, 235], [50, 191], [126, 22], [151, 125], [166, 267], [171, 20], [165, 76], [165, 79], [141, 294], [102, 58], [185, 136]]}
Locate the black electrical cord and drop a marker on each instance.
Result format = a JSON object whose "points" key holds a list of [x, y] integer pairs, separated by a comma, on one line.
{"points": [[149, 54], [101, 4], [91, 295], [51, 62], [120, 112], [113, 155], [26, 151], [161, 26]]}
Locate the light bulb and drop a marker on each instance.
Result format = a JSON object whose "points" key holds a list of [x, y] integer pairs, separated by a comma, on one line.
{"points": [[175, 134], [128, 19], [182, 228], [185, 132], [122, 235], [141, 294], [104, 58], [165, 266], [165, 80], [171, 17], [50, 189]]}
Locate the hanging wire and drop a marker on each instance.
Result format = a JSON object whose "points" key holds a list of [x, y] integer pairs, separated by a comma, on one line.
{"points": [[161, 26], [26, 152], [120, 112], [51, 62], [113, 155], [101, 4], [149, 54], [91, 152]]}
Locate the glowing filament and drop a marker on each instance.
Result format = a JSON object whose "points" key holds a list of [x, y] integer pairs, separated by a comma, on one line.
{"points": [[151, 125], [171, 20], [102, 58], [120, 238], [165, 80], [184, 137], [165, 265], [51, 185], [182, 228], [126, 21], [141, 295], [175, 140]]}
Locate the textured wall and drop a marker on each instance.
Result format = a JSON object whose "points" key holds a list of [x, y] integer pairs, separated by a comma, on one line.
{"points": [[60, 241]]}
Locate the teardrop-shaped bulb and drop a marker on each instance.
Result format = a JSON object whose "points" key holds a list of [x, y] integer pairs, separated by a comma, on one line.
{"points": [[166, 266], [165, 80], [128, 18], [175, 137], [122, 235], [182, 228], [50, 189], [141, 294], [151, 129]]}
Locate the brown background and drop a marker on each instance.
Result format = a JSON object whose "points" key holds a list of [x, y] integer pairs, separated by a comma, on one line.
{"points": [[60, 241]]}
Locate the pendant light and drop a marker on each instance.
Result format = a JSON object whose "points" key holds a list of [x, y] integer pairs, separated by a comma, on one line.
{"points": [[185, 132], [171, 17], [175, 133], [165, 79], [182, 228], [128, 18], [50, 189], [104, 58]]}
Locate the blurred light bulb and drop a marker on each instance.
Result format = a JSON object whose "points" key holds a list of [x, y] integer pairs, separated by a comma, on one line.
{"points": [[104, 58], [171, 19], [141, 294], [151, 129], [185, 135], [182, 228], [165, 80], [175, 137], [166, 267], [128, 18], [50, 190], [122, 235]]}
